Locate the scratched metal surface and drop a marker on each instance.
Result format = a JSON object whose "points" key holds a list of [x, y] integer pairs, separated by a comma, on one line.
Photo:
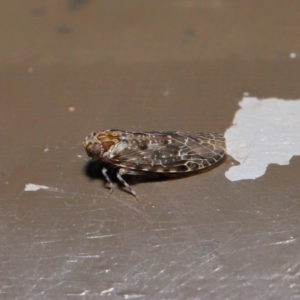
{"points": [[72, 67]]}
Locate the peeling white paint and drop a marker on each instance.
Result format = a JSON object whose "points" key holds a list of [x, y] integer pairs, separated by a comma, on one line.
{"points": [[31, 187], [264, 132]]}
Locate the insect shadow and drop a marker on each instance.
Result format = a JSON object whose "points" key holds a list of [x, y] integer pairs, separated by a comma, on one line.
{"points": [[93, 170]]}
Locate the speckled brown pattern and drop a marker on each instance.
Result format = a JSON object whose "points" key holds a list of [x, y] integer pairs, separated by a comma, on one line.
{"points": [[157, 151]]}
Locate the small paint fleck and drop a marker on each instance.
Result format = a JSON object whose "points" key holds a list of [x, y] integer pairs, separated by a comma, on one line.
{"points": [[293, 55], [167, 93], [46, 149], [31, 187], [71, 108], [34, 187]]}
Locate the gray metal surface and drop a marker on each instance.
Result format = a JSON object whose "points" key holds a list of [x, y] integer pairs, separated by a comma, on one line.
{"points": [[72, 67]]}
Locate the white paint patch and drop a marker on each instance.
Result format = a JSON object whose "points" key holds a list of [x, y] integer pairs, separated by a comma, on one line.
{"points": [[264, 132], [31, 187]]}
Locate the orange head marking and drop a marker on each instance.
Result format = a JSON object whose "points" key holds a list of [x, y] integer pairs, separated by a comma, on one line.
{"points": [[96, 144]]}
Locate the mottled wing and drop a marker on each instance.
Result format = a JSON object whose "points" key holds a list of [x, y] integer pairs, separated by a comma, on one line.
{"points": [[170, 151]]}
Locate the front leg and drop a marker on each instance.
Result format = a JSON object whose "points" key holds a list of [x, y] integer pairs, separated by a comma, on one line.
{"points": [[111, 186]]}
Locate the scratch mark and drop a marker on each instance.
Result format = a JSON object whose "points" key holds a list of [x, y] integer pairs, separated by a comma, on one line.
{"points": [[284, 242], [100, 236], [132, 295], [106, 291]]}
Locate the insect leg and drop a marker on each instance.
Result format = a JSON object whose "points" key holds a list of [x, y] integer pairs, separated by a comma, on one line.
{"points": [[111, 186], [123, 171]]}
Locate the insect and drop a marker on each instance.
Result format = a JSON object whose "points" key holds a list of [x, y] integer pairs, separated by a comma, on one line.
{"points": [[136, 153]]}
